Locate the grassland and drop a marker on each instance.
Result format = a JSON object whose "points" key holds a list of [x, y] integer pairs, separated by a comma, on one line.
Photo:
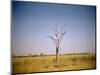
{"points": [[32, 64]]}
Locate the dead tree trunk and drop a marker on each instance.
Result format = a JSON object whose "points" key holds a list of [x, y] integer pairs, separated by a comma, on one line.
{"points": [[57, 49]]}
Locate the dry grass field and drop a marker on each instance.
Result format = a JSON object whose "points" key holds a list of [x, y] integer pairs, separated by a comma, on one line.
{"points": [[46, 63]]}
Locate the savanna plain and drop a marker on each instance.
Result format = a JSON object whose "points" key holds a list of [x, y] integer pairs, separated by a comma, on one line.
{"points": [[47, 63]]}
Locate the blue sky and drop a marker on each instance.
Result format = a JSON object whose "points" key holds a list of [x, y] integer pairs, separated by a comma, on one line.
{"points": [[33, 21]]}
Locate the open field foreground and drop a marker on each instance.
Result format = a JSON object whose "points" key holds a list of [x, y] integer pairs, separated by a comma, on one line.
{"points": [[46, 63]]}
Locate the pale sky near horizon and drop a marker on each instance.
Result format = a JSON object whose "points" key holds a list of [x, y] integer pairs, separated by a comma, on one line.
{"points": [[33, 21]]}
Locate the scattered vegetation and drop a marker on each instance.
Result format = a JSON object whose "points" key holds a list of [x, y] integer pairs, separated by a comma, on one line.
{"points": [[46, 63]]}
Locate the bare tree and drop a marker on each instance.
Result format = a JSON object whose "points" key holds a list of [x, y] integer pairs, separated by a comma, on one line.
{"points": [[57, 38]]}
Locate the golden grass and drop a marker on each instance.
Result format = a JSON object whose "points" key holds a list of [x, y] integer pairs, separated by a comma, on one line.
{"points": [[47, 63]]}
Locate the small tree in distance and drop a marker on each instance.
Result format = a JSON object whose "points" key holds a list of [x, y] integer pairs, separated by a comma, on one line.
{"points": [[57, 38]]}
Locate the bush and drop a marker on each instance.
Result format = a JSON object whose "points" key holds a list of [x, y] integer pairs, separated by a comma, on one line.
{"points": [[41, 54]]}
